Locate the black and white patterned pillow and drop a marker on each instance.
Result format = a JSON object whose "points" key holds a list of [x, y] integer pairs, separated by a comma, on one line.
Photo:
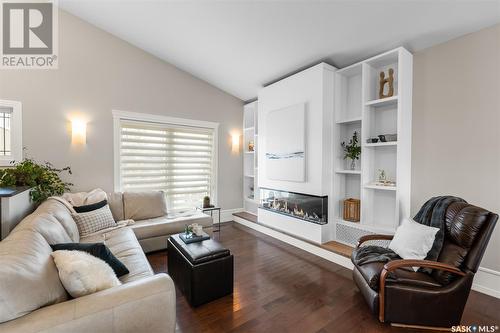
{"points": [[93, 221]]}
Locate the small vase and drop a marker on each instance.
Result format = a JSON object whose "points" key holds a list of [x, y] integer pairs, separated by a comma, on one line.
{"points": [[353, 165]]}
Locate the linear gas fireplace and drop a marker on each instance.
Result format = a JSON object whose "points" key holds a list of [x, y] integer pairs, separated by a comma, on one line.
{"points": [[310, 208]]}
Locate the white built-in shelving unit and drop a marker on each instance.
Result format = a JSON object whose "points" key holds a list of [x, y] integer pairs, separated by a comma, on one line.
{"points": [[358, 108], [250, 161]]}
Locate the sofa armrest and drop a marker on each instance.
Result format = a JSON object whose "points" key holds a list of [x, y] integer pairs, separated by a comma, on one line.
{"points": [[144, 305], [400, 263], [366, 238]]}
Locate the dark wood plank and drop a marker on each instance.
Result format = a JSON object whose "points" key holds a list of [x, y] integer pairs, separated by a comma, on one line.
{"points": [[247, 216], [279, 288]]}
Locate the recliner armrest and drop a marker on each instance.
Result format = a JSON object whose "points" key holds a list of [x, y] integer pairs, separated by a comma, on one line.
{"points": [[366, 238], [394, 264]]}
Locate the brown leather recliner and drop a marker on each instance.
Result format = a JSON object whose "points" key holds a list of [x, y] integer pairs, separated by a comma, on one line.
{"points": [[399, 295]]}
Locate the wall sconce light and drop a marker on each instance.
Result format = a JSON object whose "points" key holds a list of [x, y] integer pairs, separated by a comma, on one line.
{"points": [[78, 132], [235, 140]]}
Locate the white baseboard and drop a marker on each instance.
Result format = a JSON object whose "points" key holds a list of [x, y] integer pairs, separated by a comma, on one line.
{"points": [[486, 281], [226, 215], [320, 252]]}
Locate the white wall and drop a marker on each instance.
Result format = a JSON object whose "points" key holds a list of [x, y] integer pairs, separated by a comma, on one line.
{"points": [[456, 125], [98, 73]]}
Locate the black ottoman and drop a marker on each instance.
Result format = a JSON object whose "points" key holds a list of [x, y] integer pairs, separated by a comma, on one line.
{"points": [[202, 271]]}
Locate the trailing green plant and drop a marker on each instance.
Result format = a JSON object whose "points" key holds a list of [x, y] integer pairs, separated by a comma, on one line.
{"points": [[43, 179], [352, 150]]}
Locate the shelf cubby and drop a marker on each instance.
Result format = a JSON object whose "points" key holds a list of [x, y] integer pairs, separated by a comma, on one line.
{"points": [[250, 179], [381, 120], [348, 186], [348, 97]]}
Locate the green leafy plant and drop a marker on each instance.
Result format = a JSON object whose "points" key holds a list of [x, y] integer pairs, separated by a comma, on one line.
{"points": [[352, 150], [43, 179]]}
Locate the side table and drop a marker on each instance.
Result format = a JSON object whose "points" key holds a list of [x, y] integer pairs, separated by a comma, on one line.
{"points": [[211, 210]]}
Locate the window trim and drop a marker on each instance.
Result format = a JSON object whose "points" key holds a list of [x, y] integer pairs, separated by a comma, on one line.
{"points": [[119, 115], [16, 133]]}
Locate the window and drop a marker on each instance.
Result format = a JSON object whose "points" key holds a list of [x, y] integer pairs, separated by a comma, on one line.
{"points": [[10, 132], [170, 154], [5, 144]]}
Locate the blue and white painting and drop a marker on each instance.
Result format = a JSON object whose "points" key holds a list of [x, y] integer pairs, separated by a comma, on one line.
{"points": [[285, 144]]}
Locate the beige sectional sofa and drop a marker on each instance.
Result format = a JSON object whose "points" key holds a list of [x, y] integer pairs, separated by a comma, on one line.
{"points": [[152, 232], [32, 298]]}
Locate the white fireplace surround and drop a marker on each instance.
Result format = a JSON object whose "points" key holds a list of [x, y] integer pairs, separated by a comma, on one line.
{"points": [[312, 88]]}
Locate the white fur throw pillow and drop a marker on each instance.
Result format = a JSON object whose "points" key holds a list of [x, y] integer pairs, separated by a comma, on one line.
{"points": [[83, 274]]}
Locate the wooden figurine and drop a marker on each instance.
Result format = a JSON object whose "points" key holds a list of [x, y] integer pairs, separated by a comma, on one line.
{"points": [[251, 146], [384, 81]]}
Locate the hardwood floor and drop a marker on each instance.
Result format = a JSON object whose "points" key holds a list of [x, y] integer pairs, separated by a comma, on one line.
{"points": [[279, 288]]}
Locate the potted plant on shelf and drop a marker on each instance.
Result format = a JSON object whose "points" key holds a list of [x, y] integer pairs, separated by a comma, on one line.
{"points": [[43, 179], [352, 150]]}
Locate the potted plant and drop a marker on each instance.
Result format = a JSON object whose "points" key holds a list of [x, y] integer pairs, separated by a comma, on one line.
{"points": [[43, 179], [206, 201], [352, 150]]}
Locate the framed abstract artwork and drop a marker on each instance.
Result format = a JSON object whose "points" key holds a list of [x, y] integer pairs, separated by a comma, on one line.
{"points": [[285, 144]]}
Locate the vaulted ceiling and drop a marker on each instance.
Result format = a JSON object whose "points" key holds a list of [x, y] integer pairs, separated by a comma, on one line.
{"points": [[239, 46]]}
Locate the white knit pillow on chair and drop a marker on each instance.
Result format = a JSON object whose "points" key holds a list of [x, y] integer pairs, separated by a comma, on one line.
{"points": [[93, 221]]}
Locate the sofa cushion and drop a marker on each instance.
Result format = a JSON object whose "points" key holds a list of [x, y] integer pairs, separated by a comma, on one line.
{"points": [[62, 214], [115, 202], [46, 225], [144, 205], [28, 275], [125, 247], [164, 226]]}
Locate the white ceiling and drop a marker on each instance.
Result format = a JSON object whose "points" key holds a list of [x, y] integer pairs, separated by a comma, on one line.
{"points": [[239, 46]]}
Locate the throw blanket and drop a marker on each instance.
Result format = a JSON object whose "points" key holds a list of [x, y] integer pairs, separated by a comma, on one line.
{"points": [[85, 198], [374, 253], [431, 214]]}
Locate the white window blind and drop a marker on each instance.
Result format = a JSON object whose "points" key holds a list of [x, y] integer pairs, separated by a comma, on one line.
{"points": [[176, 159]]}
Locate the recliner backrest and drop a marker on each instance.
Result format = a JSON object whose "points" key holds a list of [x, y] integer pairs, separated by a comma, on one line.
{"points": [[468, 230]]}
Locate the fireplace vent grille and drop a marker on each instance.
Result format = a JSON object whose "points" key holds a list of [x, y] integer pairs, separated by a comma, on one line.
{"points": [[350, 235]]}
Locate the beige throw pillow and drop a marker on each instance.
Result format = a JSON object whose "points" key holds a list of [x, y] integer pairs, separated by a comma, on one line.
{"points": [[82, 274]]}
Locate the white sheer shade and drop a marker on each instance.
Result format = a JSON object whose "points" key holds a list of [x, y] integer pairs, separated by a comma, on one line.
{"points": [[176, 159]]}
